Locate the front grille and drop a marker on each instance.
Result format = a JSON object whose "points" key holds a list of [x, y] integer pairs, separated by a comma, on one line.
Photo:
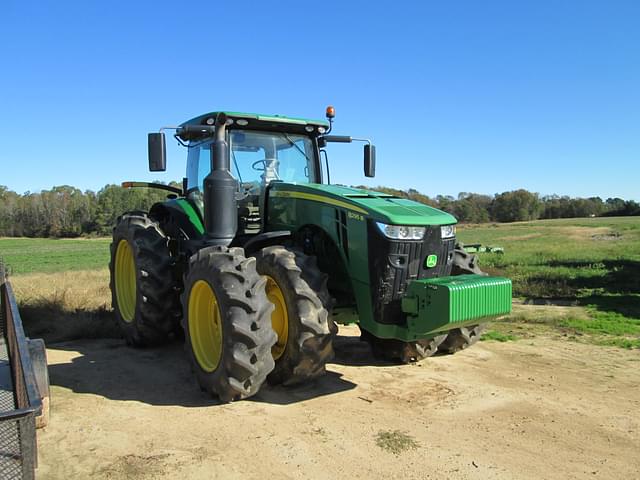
{"points": [[394, 263]]}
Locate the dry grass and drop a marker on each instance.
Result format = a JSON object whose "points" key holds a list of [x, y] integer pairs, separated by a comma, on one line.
{"points": [[546, 314], [85, 290], [583, 233], [66, 305], [527, 236]]}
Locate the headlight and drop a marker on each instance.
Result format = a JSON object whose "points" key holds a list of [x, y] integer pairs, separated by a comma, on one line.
{"points": [[400, 232], [448, 231]]}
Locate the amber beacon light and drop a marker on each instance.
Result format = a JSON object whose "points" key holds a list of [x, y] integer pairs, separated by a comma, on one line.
{"points": [[331, 112]]}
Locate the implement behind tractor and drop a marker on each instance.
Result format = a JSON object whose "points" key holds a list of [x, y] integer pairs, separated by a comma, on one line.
{"points": [[258, 257], [24, 390]]}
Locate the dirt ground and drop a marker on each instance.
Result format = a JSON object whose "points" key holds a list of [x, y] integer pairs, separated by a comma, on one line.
{"points": [[540, 408]]}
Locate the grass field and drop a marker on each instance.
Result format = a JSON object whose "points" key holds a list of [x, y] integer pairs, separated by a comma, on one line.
{"points": [[591, 263], [588, 270], [43, 255]]}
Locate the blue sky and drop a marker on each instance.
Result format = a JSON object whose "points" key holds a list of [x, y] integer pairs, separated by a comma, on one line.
{"points": [[458, 96]]}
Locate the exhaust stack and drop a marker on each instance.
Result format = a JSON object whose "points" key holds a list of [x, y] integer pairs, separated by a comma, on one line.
{"points": [[220, 204]]}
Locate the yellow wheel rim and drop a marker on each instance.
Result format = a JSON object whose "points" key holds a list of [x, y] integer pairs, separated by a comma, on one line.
{"points": [[279, 317], [125, 273], [205, 326]]}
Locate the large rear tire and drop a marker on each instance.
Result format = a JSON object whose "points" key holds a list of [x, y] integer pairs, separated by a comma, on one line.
{"points": [[227, 323], [143, 291], [302, 314]]}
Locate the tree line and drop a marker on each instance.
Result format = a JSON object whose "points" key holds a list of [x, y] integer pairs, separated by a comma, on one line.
{"points": [[66, 211], [518, 205]]}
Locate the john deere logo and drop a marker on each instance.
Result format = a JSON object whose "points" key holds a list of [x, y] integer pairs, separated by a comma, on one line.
{"points": [[432, 261]]}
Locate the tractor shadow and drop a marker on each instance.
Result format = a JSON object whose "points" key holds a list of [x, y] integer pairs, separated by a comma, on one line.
{"points": [[328, 384], [92, 358], [158, 376], [349, 351], [97, 361], [352, 352], [111, 369]]}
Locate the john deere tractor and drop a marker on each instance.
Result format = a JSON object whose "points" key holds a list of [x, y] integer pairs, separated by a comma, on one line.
{"points": [[258, 256]]}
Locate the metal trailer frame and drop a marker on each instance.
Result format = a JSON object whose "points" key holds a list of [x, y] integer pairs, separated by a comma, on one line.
{"points": [[20, 402]]}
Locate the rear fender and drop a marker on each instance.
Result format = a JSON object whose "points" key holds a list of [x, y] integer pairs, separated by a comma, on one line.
{"points": [[265, 239], [178, 219]]}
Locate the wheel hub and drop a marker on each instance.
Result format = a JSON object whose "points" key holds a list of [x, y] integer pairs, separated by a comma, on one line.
{"points": [[279, 317], [125, 280], [205, 326]]}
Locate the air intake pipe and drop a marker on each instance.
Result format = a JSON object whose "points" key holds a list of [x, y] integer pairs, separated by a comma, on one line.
{"points": [[220, 204]]}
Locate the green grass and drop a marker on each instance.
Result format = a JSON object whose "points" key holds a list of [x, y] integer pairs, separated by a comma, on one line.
{"points": [[592, 262], [582, 324], [42, 255], [498, 336], [628, 343], [595, 261], [607, 323], [563, 258]]}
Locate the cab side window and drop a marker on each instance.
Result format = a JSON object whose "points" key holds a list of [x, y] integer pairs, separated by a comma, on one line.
{"points": [[198, 165]]}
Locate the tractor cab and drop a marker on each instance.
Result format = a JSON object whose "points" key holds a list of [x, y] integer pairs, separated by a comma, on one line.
{"points": [[234, 158], [257, 158], [253, 151], [261, 149]]}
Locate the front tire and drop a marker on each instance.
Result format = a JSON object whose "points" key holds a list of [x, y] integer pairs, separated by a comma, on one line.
{"points": [[391, 350], [143, 291], [301, 317], [460, 338], [227, 323], [464, 262]]}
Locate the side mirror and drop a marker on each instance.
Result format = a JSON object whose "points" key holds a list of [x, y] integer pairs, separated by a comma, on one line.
{"points": [[157, 152], [369, 160]]}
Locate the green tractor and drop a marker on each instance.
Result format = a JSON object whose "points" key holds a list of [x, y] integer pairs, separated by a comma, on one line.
{"points": [[258, 257]]}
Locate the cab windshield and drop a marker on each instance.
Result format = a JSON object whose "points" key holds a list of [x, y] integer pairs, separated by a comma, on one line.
{"points": [[257, 158]]}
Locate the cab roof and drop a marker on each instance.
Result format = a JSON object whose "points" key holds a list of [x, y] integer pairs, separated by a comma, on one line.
{"points": [[209, 119]]}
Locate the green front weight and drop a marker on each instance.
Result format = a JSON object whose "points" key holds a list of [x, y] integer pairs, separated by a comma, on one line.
{"points": [[441, 304]]}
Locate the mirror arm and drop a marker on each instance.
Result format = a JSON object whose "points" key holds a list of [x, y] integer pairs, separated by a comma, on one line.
{"points": [[342, 139], [369, 151], [337, 138], [177, 137]]}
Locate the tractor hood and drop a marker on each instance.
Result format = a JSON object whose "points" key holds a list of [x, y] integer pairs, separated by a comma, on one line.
{"points": [[378, 206]]}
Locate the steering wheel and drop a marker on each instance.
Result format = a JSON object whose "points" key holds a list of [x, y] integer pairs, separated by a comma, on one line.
{"points": [[255, 164], [269, 167]]}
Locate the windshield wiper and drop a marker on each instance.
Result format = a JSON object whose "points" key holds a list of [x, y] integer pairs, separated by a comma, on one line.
{"points": [[291, 142], [233, 155]]}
